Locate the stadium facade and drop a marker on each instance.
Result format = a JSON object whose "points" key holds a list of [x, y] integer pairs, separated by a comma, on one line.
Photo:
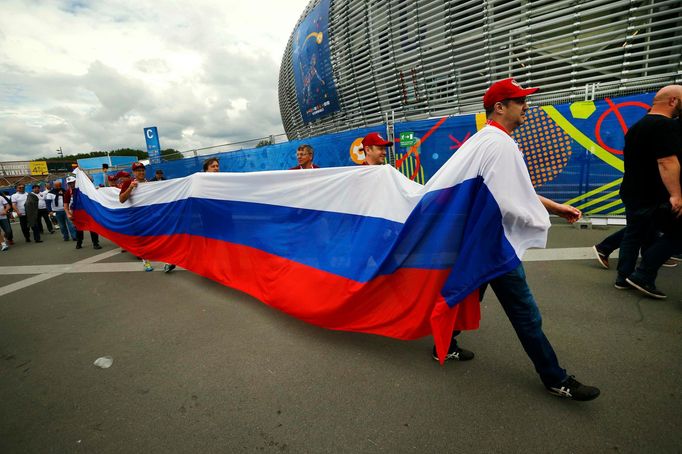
{"points": [[353, 63]]}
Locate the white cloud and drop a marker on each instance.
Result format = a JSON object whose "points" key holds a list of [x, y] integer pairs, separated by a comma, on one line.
{"points": [[90, 75]]}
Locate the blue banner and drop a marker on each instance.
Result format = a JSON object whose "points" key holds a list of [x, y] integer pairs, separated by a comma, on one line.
{"points": [[315, 88], [151, 136]]}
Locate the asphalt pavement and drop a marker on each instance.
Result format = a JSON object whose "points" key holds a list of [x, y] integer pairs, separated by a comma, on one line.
{"points": [[199, 367]]}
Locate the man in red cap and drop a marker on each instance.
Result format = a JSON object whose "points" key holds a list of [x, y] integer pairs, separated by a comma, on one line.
{"points": [[127, 189], [505, 106], [129, 186], [374, 147]]}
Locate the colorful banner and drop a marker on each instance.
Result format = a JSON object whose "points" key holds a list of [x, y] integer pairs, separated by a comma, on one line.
{"points": [[313, 74], [38, 168], [573, 150]]}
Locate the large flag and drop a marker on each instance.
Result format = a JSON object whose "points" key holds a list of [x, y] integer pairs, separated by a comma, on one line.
{"points": [[354, 248]]}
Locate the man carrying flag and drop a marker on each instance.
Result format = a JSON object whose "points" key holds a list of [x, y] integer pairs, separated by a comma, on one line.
{"points": [[374, 147], [127, 189], [505, 105]]}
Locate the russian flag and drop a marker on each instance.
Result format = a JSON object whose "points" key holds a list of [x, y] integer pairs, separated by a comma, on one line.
{"points": [[353, 248]]}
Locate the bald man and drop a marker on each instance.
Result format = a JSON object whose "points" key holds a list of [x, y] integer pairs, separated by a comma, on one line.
{"points": [[651, 192]]}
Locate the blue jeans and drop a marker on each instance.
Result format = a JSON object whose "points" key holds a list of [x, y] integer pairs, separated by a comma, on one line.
{"points": [[65, 226], [523, 313], [7, 228]]}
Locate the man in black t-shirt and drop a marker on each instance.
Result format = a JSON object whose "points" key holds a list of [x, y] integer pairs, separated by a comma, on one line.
{"points": [[651, 192]]}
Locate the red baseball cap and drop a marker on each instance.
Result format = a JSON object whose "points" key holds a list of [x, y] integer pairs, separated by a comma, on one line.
{"points": [[138, 165], [374, 138], [505, 89], [120, 174]]}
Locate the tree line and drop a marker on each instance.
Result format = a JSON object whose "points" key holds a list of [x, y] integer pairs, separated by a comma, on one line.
{"points": [[169, 154]]}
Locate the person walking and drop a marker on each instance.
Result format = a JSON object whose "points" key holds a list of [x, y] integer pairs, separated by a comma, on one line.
{"points": [[505, 106]]}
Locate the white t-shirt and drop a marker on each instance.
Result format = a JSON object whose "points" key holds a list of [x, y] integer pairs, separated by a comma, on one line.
{"points": [[20, 201], [41, 200], [57, 202]]}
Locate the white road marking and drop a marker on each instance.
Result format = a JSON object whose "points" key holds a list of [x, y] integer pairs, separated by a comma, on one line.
{"points": [[88, 265], [569, 253]]}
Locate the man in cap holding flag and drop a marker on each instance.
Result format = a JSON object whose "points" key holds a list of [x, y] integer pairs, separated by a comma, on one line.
{"points": [[505, 106]]}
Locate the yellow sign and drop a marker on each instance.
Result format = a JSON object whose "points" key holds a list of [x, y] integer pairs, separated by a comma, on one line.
{"points": [[38, 168]]}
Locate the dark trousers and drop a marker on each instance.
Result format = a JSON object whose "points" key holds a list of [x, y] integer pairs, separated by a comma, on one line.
{"points": [[667, 240], [612, 242], [45, 216], [23, 222], [522, 311], [94, 237]]}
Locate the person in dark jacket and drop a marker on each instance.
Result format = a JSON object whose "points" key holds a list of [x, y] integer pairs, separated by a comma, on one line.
{"points": [[31, 206]]}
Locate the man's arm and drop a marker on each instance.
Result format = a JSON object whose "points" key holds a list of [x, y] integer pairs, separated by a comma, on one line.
{"points": [[669, 168], [67, 205], [571, 214], [125, 193]]}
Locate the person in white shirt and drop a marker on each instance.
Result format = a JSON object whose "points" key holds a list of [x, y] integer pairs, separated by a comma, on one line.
{"points": [[55, 198], [506, 106], [43, 212], [18, 204], [5, 207]]}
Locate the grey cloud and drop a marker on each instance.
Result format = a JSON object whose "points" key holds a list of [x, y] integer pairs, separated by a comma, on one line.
{"points": [[152, 65], [117, 94]]}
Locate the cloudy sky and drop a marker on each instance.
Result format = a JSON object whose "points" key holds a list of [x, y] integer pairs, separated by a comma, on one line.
{"points": [[90, 75]]}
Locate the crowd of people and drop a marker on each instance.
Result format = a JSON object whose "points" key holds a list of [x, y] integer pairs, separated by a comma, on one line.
{"points": [[650, 192], [41, 210]]}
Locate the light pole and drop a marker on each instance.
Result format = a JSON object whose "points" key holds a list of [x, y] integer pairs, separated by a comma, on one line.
{"points": [[60, 153]]}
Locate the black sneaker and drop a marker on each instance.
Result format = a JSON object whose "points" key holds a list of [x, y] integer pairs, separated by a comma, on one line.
{"points": [[78, 246], [455, 354], [622, 284], [676, 257], [602, 257], [573, 389], [647, 289], [96, 246]]}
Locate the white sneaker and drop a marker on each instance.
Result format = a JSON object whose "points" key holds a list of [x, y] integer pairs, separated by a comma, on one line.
{"points": [[4, 246]]}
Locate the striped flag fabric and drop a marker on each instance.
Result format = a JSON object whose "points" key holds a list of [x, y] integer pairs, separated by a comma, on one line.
{"points": [[353, 248]]}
